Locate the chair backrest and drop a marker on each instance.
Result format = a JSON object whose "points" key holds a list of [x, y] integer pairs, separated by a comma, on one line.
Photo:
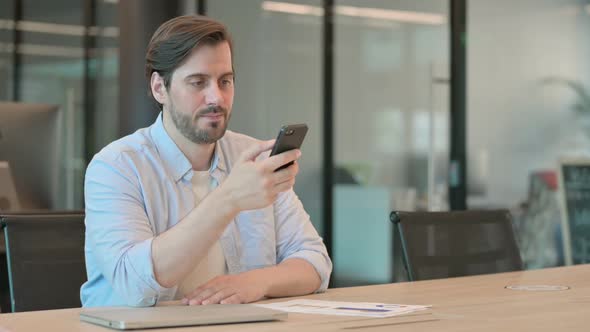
{"points": [[45, 254], [456, 243]]}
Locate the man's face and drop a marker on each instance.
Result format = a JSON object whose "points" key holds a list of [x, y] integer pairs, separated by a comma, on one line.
{"points": [[201, 93]]}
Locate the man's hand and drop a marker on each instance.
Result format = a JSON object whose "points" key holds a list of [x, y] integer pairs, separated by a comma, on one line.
{"points": [[228, 289], [255, 184], [292, 277]]}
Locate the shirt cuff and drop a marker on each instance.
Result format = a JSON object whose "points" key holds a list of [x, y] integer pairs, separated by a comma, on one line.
{"points": [[147, 289], [319, 262]]}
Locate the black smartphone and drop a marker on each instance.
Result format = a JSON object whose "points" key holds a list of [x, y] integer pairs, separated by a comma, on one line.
{"points": [[290, 137]]}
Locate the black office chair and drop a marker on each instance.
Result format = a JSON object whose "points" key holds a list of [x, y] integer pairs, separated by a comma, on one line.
{"points": [[45, 254], [457, 243]]}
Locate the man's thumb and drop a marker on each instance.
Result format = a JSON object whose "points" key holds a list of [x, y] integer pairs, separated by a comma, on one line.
{"points": [[253, 152]]}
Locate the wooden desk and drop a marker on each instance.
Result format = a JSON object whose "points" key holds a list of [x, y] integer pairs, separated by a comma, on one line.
{"points": [[478, 303]]}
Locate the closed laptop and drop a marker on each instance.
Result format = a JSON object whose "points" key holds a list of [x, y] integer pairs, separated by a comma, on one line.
{"points": [[124, 318]]}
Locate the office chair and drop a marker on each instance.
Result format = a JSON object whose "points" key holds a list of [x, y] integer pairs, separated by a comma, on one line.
{"points": [[456, 243], [45, 256]]}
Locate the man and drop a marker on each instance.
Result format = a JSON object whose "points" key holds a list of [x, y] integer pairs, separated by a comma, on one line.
{"points": [[185, 210]]}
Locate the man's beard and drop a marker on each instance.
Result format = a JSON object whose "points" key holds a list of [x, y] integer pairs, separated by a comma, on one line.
{"points": [[189, 128]]}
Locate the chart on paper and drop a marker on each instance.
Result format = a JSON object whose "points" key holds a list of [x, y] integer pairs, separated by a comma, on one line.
{"points": [[363, 309]]}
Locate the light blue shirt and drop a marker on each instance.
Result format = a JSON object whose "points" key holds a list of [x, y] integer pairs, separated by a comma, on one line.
{"points": [[139, 186]]}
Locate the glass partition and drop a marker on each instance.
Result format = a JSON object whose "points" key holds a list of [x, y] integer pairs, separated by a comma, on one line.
{"points": [[278, 63], [390, 124], [6, 49], [528, 106]]}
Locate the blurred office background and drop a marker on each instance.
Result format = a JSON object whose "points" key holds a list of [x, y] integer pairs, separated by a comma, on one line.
{"points": [[378, 70]]}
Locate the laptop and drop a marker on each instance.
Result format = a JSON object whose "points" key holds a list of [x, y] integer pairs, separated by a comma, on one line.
{"points": [[126, 318]]}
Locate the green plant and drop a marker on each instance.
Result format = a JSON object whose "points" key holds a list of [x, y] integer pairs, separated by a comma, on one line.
{"points": [[583, 103]]}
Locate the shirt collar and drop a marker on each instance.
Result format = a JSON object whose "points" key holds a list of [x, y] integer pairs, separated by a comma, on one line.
{"points": [[174, 160]]}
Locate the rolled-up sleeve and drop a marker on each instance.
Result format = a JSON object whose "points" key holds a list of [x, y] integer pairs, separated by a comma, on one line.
{"points": [[297, 238], [118, 232]]}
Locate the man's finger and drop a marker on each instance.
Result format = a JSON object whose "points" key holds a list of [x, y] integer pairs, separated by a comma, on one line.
{"points": [[274, 162], [197, 291], [253, 152], [287, 185], [198, 298], [285, 174], [219, 296], [234, 299]]}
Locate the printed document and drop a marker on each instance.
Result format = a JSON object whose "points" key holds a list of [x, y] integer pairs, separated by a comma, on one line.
{"points": [[363, 309]]}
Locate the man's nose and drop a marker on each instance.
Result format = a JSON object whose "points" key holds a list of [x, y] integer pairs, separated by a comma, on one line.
{"points": [[213, 95]]}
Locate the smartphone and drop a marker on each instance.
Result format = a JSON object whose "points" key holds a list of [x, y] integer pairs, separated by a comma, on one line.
{"points": [[290, 137]]}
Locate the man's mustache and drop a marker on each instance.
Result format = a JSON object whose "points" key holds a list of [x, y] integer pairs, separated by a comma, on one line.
{"points": [[213, 110]]}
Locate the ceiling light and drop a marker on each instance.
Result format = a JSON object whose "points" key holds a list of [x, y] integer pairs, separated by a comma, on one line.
{"points": [[362, 12], [59, 29]]}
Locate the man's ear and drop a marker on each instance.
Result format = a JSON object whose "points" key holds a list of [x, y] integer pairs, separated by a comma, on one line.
{"points": [[158, 88]]}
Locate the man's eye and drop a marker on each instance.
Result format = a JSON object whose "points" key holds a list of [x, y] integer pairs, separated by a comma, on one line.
{"points": [[197, 83], [227, 82]]}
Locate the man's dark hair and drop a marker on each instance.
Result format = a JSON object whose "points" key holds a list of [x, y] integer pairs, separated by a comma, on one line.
{"points": [[176, 39]]}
